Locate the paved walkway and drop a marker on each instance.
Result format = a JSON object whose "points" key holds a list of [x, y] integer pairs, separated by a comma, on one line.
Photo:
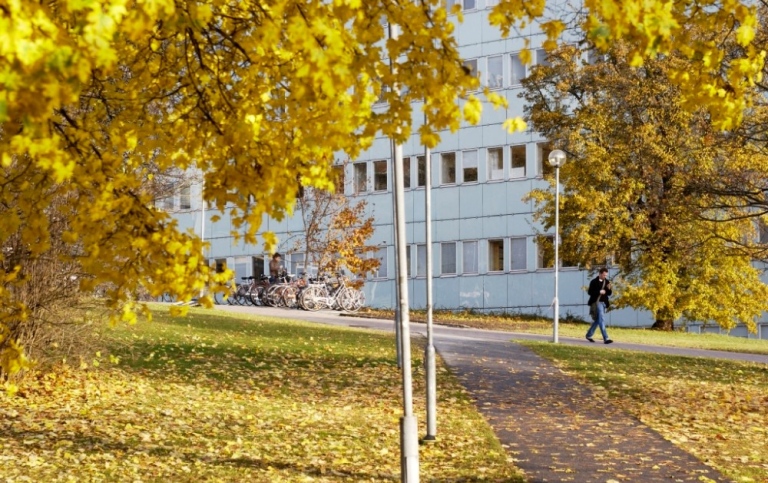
{"points": [[553, 426]]}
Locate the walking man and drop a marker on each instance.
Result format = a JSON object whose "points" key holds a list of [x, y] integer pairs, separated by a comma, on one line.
{"points": [[599, 291]]}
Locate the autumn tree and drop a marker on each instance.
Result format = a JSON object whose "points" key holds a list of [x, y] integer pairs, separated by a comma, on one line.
{"points": [[97, 95], [639, 186], [336, 232]]}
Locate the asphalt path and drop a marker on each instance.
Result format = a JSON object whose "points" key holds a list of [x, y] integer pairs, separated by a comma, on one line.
{"points": [[443, 333], [555, 428]]}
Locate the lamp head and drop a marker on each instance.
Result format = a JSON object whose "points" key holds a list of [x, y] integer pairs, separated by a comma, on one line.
{"points": [[556, 158]]}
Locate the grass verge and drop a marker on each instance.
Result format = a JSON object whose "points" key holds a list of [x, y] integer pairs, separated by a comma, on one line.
{"points": [[219, 397], [540, 325], [716, 410]]}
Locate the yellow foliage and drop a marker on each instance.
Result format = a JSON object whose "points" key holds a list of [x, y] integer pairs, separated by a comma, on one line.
{"points": [[99, 97], [654, 187]]}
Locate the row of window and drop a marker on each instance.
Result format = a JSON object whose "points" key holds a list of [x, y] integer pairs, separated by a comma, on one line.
{"points": [[453, 258], [457, 167], [176, 201], [504, 255], [492, 73], [470, 4]]}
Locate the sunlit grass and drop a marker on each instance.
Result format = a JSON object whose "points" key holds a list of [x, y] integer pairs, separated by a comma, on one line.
{"points": [[220, 397], [714, 409]]}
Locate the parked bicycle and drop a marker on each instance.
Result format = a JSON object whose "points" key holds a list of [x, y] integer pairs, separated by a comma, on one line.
{"points": [[326, 293]]}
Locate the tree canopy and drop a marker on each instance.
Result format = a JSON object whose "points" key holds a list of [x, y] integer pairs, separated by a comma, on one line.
{"points": [[647, 186], [99, 96]]}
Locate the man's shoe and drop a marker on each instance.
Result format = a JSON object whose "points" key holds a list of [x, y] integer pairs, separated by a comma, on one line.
{"points": [[609, 341], [590, 339]]}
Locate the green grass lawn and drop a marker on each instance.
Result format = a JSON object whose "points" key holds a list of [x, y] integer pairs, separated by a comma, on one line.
{"points": [[715, 409], [541, 325], [218, 397]]}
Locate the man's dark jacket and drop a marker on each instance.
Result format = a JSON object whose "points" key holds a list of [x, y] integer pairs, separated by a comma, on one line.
{"points": [[595, 286]]}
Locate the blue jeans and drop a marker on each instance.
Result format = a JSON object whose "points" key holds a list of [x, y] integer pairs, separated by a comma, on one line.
{"points": [[599, 322]]}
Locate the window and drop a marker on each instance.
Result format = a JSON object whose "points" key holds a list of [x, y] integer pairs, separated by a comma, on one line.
{"points": [[406, 173], [469, 166], [408, 260], [541, 58], [421, 260], [184, 199], [382, 94], [448, 258], [495, 255], [379, 176], [296, 264], [337, 176], [464, 4], [361, 177], [448, 168], [381, 256], [545, 248], [471, 65], [495, 72], [517, 69], [166, 203], [495, 163], [518, 161], [421, 171], [545, 169], [469, 257], [519, 260]]}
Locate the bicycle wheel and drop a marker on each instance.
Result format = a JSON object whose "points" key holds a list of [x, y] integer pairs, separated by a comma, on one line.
{"points": [[311, 298], [352, 300], [288, 297], [272, 297]]}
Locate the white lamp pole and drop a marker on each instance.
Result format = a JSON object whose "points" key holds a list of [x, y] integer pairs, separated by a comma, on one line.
{"points": [[557, 160]]}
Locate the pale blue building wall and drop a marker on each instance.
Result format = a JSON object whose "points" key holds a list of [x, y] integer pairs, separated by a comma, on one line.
{"points": [[464, 212]]}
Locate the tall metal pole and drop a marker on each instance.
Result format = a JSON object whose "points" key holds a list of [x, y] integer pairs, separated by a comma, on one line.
{"points": [[557, 246], [398, 335], [202, 224], [429, 351], [409, 439], [557, 159]]}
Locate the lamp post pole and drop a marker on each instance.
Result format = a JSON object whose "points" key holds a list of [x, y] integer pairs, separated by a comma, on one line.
{"points": [[557, 160]]}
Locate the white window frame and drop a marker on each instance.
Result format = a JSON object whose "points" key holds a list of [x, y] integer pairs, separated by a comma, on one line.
{"points": [[498, 82], [516, 62], [421, 257], [512, 257], [443, 157], [358, 186], [490, 255], [544, 169], [381, 254], [475, 268], [513, 174], [464, 167], [406, 172], [443, 259], [495, 174], [476, 70], [421, 160], [540, 252], [377, 173]]}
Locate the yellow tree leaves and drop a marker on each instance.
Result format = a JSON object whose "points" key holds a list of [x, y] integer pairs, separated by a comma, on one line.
{"points": [[653, 186], [720, 84], [100, 97]]}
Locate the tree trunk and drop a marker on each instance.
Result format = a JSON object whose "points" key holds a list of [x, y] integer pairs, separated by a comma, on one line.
{"points": [[664, 324]]}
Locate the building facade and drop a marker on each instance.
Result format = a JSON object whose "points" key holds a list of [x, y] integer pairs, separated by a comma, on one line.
{"points": [[488, 253]]}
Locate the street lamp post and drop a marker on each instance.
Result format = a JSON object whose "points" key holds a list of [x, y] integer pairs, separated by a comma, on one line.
{"points": [[557, 160]]}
